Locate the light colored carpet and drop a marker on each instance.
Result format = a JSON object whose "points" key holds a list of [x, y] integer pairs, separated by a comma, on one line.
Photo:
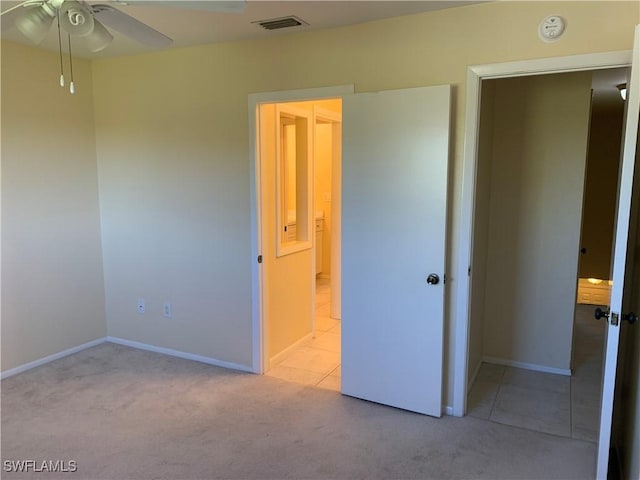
{"points": [[122, 413]]}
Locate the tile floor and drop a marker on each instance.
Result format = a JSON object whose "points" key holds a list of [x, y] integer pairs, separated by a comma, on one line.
{"points": [[317, 362], [556, 404]]}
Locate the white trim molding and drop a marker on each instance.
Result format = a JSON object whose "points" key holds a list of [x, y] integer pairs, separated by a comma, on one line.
{"points": [[527, 366], [128, 343], [50, 358], [475, 75], [179, 354]]}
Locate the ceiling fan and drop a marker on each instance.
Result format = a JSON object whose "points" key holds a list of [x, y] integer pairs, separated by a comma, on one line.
{"points": [[78, 18], [34, 18]]}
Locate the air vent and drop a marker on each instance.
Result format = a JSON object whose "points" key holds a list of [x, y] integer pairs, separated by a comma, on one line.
{"points": [[278, 23]]}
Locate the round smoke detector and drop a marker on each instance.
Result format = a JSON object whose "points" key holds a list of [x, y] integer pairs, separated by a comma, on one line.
{"points": [[551, 28]]}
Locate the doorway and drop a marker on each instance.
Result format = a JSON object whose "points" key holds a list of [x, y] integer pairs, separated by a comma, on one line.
{"points": [[259, 301], [476, 75], [532, 152], [532, 149], [299, 154], [300, 151], [388, 280]]}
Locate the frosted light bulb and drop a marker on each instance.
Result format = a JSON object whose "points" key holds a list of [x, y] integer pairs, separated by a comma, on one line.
{"points": [[72, 88], [61, 80]]}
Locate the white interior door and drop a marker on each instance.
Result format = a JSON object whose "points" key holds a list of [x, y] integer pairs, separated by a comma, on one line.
{"points": [[620, 292], [394, 212]]}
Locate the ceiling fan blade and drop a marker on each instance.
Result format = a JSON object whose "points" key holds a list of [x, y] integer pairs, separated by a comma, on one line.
{"points": [[135, 29], [99, 37], [224, 6]]}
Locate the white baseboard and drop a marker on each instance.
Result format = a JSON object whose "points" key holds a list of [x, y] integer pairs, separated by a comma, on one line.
{"points": [[281, 356], [50, 358], [472, 380], [128, 343], [527, 366], [179, 354]]}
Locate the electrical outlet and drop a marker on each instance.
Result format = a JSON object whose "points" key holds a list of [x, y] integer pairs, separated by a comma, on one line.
{"points": [[167, 310], [142, 308]]}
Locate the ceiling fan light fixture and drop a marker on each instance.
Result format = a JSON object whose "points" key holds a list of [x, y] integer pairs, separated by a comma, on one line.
{"points": [[75, 19], [99, 38], [35, 23]]}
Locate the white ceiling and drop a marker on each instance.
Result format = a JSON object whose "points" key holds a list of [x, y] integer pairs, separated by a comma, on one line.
{"points": [[192, 27]]}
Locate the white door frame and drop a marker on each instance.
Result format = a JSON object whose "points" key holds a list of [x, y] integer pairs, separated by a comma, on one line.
{"points": [[475, 75], [255, 99]]}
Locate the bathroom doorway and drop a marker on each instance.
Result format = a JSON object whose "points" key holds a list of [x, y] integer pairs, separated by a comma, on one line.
{"points": [[381, 177], [300, 188]]}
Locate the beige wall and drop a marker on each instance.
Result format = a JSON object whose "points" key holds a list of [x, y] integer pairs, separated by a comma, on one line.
{"points": [[537, 175], [52, 281], [172, 141], [600, 193], [173, 148]]}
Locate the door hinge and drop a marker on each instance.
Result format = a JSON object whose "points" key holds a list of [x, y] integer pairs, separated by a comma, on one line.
{"points": [[259, 258], [444, 278], [469, 272]]}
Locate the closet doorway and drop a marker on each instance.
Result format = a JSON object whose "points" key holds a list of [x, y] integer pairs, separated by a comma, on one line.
{"points": [[544, 158]]}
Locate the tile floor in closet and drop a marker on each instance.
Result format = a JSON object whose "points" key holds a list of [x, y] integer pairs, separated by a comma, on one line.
{"points": [[555, 404], [317, 361]]}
